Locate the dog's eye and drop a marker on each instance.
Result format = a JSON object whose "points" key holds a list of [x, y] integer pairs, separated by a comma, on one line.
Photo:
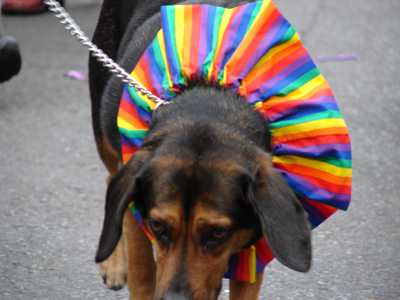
{"points": [[159, 231], [220, 233], [156, 227]]}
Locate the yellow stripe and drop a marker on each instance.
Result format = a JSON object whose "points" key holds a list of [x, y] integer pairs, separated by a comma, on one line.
{"points": [[264, 6], [222, 27], [308, 126], [179, 25], [161, 41], [300, 92], [315, 164], [275, 50], [124, 124], [252, 264]]}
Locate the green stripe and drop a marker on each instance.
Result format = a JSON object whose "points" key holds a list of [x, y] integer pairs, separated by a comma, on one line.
{"points": [[327, 114], [135, 134], [288, 35], [254, 15], [338, 162], [299, 82], [171, 22], [217, 22], [139, 101], [160, 62]]}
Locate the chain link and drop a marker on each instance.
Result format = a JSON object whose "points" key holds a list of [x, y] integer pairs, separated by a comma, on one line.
{"points": [[107, 62]]}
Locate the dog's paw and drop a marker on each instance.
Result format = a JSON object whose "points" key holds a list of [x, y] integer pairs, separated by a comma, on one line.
{"points": [[113, 269]]}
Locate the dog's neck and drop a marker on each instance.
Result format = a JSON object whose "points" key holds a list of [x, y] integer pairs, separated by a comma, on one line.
{"points": [[215, 110]]}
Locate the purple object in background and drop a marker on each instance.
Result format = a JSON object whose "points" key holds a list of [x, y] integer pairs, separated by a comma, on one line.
{"points": [[75, 74], [338, 57]]}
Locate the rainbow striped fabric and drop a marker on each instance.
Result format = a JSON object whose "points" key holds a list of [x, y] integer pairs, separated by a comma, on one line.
{"points": [[255, 52]]}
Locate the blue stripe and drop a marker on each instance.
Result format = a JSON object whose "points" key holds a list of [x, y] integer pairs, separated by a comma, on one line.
{"points": [[274, 90], [168, 45], [210, 27], [280, 34], [333, 154], [155, 68], [302, 190], [311, 110], [240, 33]]}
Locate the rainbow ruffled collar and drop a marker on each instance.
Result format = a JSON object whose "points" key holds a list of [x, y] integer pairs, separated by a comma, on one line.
{"points": [[254, 51]]}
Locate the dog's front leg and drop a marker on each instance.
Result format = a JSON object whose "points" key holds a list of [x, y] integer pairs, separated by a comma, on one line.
{"points": [[240, 290], [113, 269], [141, 267]]}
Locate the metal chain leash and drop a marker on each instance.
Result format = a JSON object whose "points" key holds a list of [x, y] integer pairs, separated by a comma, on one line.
{"points": [[110, 64]]}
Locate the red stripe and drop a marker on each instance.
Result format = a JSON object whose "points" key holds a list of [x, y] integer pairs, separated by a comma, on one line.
{"points": [[275, 69], [128, 149], [144, 75], [320, 140], [240, 267], [292, 103], [324, 209], [329, 186], [214, 75], [241, 63], [195, 38], [263, 251]]}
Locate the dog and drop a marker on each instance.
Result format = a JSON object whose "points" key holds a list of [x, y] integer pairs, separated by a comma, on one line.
{"points": [[203, 179]]}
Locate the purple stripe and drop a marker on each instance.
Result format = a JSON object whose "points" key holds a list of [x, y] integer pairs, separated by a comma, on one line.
{"points": [[313, 149], [312, 210], [259, 263], [231, 36], [319, 191], [261, 89], [261, 50], [127, 97], [301, 106], [126, 141], [153, 78], [233, 264], [203, 40]]}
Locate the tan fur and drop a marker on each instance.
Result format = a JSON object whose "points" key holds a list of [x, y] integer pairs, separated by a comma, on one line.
{"points": [[203, 267], [141, 267]]}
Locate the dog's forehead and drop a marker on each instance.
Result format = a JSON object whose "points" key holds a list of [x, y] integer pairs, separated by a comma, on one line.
{"points": [[189, 181]]}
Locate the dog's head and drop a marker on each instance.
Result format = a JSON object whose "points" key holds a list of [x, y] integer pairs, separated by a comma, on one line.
{"points": [[202, 202]]}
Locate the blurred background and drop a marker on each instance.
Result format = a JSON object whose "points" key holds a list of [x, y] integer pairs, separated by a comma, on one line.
{"points": [[52, 183]]}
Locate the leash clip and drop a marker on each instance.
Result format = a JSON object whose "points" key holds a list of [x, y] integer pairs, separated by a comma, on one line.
{"points": [[160, 102]]}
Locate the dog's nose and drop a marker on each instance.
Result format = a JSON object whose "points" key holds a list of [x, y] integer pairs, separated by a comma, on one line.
{"points": [[169, 295]]}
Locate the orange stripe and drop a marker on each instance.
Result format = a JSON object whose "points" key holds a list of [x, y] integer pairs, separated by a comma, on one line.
{"points": [[274, 68], [135, 122], [309, 134], [185, 67], [275, 100], [283, 105], [126, 157], [268, 65], [141, 72], [299, 169], [248, 46]]}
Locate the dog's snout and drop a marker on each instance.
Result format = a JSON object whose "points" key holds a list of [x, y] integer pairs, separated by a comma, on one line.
{"points": [[170, 295]]}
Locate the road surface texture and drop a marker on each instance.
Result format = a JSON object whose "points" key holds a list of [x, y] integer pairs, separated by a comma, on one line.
{"points": [[52, 183]]}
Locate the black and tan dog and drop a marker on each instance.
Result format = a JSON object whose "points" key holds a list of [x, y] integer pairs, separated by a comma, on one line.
{"points": [[203, 179]]}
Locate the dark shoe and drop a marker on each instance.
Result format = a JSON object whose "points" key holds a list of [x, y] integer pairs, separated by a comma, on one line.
{"points": [[10, 58]]}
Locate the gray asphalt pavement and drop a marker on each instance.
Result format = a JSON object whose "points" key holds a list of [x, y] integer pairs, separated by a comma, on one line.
{"points": [[52, 183]]}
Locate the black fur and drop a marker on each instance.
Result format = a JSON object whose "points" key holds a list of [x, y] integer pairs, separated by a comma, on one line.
{"points": [[204, 122]]}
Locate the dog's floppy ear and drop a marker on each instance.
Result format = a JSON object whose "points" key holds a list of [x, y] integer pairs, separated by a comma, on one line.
{"points": [[121, 191], [284, 222]]}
